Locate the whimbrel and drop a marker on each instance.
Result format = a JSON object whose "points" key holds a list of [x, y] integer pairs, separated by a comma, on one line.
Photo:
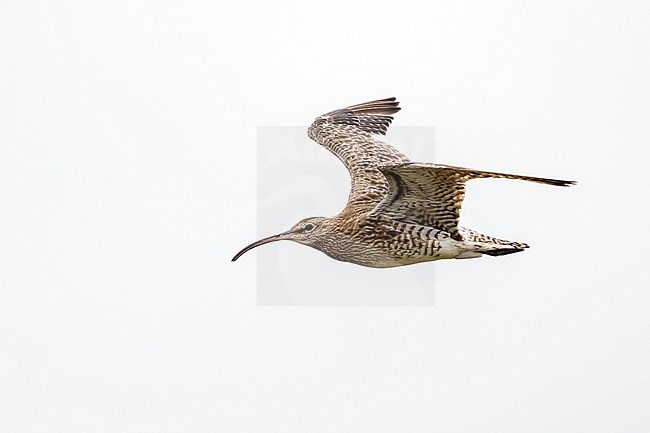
{"points": [[399, 212]]}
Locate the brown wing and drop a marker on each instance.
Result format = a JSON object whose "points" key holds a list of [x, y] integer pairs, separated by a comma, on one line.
{"points": [[347, 133], [432, 194]]}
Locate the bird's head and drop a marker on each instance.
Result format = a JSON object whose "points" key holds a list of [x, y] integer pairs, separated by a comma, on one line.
{"points": [[308, 231]]}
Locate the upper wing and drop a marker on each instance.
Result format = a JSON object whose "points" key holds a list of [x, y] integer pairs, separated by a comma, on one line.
{"points": [[432, 194], [347, 133]]}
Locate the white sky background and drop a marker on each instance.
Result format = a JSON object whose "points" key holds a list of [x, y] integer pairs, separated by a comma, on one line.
{"points": [[127, 182]]}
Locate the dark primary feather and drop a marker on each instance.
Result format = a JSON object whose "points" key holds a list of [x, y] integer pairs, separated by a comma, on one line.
{"points": [[373, 117]]}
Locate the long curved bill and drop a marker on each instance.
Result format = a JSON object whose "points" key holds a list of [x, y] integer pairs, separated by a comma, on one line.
{"points": [[281, 236]]}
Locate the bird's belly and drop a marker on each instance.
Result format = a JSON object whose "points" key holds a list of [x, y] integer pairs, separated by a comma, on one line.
{"points": [[382, 257], [400, 244]]}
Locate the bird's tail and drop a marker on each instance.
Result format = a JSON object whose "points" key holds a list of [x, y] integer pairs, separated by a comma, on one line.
{"points": [[493, 250], [492, 246]]}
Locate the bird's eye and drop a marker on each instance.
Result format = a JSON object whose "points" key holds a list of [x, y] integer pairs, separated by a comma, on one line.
{"points": [[309, 227]]}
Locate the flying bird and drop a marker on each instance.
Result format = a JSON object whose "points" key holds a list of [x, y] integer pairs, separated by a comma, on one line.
{"points": [[398, 212]]}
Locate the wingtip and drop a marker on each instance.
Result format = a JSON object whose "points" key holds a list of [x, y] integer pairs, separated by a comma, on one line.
{"points": [[553, 182], [385, 107], [557, 182], [393, 100]]}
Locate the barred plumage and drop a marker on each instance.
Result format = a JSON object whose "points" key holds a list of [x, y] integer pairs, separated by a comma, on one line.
{"points": [[398, 212]]}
